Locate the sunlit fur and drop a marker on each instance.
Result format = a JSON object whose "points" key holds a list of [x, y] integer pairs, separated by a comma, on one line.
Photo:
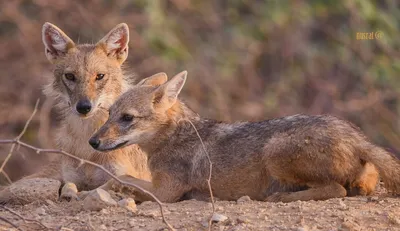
{"points": [[85, 61], [300, 157]]}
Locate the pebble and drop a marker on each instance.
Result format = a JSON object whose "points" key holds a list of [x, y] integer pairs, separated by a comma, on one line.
{"points": [[342, 205], [219, 217], [243, 199], [26, 191], [128, 203], [97, 200], [132, 222], [40, 211]]}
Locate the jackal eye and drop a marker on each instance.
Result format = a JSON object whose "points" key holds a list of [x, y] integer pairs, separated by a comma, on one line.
{"points": [[126, 118], [70, 76], [100, 76]]}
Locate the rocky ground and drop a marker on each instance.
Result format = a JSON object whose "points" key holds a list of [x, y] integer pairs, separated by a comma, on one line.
{"points": [[377, 212]]}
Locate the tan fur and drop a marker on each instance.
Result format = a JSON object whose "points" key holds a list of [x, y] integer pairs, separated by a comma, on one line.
{"points": [[298, 157], [86, 62]]}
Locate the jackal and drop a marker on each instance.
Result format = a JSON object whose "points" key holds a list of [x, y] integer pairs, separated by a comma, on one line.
{"points": [[87, 79], [299, 157]]}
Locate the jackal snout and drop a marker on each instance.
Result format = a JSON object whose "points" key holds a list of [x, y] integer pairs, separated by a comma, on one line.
{"points": [[103, 140], [83, 106], [94, 142]]}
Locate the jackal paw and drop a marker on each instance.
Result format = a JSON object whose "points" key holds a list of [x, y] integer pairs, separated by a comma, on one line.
{"points": [[69, 192], [277, 197]]}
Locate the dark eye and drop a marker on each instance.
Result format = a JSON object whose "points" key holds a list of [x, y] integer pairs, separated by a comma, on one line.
{"points": [[100, 76], [70, 76], [126, 118]]}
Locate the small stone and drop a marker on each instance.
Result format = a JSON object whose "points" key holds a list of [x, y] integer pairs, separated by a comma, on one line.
{"points": [[393, 219], [242, 221], [105, 211], [204, 224], [373, 199], [128, 204], [145, 203], [243, 199], [132, 222], [49, 202], [215, 218], [103, 227], [98, 199], [219, 217], [151, 213], [302, 229], [26, 191], [342, 205], [40, 211]]}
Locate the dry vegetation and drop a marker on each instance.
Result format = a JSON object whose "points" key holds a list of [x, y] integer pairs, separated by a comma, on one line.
{"points": [[247, 60]]}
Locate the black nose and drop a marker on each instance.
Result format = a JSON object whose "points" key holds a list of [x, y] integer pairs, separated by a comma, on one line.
{"points": [[95, 143], [84, 106]]}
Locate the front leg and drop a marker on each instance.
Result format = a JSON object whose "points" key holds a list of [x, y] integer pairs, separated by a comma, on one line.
{"points": [[163, 186], [317, 192]]}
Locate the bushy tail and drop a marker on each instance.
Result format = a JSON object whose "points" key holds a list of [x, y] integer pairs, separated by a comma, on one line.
{"points": [[387, 164]]}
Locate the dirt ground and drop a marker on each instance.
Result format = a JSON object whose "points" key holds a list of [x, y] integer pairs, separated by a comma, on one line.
{"points": [[377, 212]]}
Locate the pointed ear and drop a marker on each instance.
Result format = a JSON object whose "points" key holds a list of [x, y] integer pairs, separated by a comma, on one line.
{"points": [[154, 80], [167, 93], [115, 43], [56, 42]]}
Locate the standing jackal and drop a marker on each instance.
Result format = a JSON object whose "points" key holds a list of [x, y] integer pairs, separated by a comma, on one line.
{"points": [[292, 158], [87, 79]]}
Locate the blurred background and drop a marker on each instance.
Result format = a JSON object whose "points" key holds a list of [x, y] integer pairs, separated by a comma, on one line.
{"points": [[247, 60]]}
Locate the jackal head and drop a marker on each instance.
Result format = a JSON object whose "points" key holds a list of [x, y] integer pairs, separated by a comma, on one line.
{"points": [[86, 76], [140, 113]]}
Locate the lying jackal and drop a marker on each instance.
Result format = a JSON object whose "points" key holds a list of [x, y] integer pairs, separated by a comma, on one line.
{"points": [[292, 158], [87, 78]]}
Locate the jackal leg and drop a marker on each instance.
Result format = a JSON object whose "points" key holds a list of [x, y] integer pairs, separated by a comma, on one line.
{"points": [[164, 187], [321, 192]]}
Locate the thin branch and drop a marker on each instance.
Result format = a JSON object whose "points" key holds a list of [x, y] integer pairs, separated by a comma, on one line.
{"points": [[83, 161], [23, 218], [10, 223], [19, 137], [17, 141], [7, 177], [209, 176]]}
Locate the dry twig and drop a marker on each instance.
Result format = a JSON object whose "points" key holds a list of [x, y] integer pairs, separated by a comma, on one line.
{"points": [[23, 218], [14, 144], [209, 176], [10, 223], [17, 141]]}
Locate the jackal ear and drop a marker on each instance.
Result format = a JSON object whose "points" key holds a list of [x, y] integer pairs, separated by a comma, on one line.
{"points": [[115, 43], [56, 42], [154, 80], [167, 93]]}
